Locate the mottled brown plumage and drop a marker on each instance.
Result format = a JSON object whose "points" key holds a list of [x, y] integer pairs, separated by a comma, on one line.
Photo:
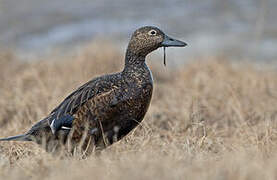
{"points": [[106, 108]]}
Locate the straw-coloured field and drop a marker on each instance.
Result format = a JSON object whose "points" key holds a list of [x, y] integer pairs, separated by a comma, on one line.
{"points": [[208, 119]]}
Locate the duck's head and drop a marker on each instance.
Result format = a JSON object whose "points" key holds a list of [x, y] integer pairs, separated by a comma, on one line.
{"points": [[149, 38]]}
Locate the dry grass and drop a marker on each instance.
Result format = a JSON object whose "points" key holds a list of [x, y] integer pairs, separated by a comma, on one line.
{"points": [[209, 119]]}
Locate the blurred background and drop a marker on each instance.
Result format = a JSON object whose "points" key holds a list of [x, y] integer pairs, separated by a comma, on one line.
{"points": [[244, 29]]}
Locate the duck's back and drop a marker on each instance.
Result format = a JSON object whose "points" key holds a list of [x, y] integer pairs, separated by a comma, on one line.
{"points": [[113, 113], [108, 106]]}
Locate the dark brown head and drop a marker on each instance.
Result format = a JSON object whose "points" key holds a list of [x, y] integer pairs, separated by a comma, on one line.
{"points": [[149, 38]]}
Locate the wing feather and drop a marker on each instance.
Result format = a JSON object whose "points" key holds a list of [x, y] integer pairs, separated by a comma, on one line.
{"points": [[77, 99], [96, 110]]}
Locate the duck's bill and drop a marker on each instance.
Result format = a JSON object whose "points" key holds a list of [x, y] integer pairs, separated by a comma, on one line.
{"points": [[170, 42]]}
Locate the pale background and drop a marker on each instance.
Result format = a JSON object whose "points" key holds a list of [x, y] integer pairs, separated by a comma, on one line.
{"points": [[244, 29]]}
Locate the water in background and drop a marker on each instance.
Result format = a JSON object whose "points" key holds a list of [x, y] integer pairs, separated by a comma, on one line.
{"points": [[236, 28]]}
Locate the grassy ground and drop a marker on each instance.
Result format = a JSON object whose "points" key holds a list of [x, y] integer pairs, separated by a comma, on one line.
{"points": [[208, 119]]}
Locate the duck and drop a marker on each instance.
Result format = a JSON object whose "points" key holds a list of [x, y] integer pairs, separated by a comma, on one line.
{"points": [[107, 108]]}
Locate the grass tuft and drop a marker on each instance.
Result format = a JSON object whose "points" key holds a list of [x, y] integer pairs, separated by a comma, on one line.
{"points": [[208, 119]]}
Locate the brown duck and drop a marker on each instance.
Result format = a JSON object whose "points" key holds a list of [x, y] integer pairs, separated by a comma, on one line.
{"points": [[107, 108]]}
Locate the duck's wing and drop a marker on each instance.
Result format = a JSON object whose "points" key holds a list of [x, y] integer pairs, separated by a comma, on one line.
{"points": [[63, 115], [101, 109]]}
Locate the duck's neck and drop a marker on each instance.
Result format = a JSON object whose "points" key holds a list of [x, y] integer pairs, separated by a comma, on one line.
{"points": [[136, 67], [134, 61]]}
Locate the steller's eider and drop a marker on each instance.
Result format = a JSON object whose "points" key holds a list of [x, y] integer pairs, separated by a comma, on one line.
{"points": [[107, 108]]}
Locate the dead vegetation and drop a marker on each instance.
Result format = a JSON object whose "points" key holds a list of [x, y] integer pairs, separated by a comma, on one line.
{"points": [[209, 119]]}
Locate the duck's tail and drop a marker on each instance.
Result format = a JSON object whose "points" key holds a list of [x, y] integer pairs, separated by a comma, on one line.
{"points": [[22, 137]]}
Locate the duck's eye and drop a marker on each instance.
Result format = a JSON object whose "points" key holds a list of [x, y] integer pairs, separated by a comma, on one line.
{"points": [[152, 32]]}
